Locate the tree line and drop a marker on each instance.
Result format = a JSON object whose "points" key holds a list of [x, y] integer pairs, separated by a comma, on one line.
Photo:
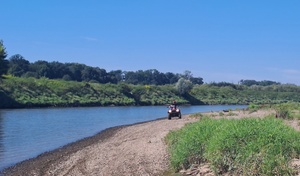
{"points": [[18, 66]]}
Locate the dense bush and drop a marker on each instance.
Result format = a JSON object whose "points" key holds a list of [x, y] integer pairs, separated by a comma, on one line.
{"points": [[287, 110]]}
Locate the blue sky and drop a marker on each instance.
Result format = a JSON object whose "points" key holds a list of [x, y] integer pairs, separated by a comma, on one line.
{"points": [[218, 40]]}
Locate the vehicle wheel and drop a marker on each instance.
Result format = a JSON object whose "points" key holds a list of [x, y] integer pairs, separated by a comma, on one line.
{"points": [[179, 115], [169, 116]]}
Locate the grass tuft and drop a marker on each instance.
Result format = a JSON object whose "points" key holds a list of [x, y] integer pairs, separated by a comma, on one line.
{"points": [[243, 147]]}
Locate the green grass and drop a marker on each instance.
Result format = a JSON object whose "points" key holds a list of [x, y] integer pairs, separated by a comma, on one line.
{"points": [[241, 147]]}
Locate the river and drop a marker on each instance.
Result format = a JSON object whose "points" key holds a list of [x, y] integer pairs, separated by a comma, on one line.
{"points": [[26, 133]]}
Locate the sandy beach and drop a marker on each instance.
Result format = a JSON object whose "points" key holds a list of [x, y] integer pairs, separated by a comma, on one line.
{"points": [[137, 149]]}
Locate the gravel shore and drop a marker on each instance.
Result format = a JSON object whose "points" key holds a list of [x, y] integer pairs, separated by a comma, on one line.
{"points": [[137, 149]]}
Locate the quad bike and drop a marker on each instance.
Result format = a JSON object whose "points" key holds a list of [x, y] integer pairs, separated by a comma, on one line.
{"points": [[174, 112]]}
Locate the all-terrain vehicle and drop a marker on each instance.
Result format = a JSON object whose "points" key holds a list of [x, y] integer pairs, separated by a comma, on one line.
{"points": [[174, 112]]}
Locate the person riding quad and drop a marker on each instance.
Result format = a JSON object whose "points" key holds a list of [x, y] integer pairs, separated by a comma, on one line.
{"points": [[174, 104], [174, 111]]}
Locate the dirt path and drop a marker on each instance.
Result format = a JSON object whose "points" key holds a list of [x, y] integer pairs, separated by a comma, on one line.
{"points": [[129, 150]]}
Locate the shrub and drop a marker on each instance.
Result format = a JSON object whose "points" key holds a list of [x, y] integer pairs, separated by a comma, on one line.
{"points": [[282, 111], [183, 86]]}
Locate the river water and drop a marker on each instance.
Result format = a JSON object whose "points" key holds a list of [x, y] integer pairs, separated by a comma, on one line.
{"points": [[26, 133]]}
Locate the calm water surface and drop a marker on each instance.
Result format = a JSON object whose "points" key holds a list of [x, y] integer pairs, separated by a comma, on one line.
{"points": [[26, 133]]}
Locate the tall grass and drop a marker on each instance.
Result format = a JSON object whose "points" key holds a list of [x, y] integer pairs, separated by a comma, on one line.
{"points": [[240, 147], [289, 110]]}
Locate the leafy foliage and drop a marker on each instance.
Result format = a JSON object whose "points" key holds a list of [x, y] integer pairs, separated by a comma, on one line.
{"points": [[183, 86], [3, 62], [19, 66], [259, 83], [238, 94], [42, 92]]}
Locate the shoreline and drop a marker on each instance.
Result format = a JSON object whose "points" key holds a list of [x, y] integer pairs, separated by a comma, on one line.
{"points": [[134, 149], [64, 151], [12, 166]]}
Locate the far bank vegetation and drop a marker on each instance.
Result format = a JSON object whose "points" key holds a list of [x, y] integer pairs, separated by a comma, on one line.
{"points": [[45, 84], [18, 92]]}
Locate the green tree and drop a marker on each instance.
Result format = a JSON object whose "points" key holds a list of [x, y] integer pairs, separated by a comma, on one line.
{"points": [[197, 80], [3, 62], [18, 65], [131, 77], [187, 75], [41, 68], [75, 70], [116, 76], [58, 70], [89, 74], [171, 78], [102, 75], [183, 86]]}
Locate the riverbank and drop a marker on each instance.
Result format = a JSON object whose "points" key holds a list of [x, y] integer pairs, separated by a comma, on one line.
{"points": [[16, 92], [137, 149]]}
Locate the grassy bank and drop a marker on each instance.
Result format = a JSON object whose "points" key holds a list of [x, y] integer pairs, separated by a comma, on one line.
{"points": [[239, 94], [249, 146], [30, 92], [16, 92]]}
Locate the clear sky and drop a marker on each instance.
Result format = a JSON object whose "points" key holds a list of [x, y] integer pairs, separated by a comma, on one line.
{"points": [[218, 40]]}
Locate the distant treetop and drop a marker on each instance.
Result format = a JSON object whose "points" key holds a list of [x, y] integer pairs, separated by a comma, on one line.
{"points": [[259, 83]]}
